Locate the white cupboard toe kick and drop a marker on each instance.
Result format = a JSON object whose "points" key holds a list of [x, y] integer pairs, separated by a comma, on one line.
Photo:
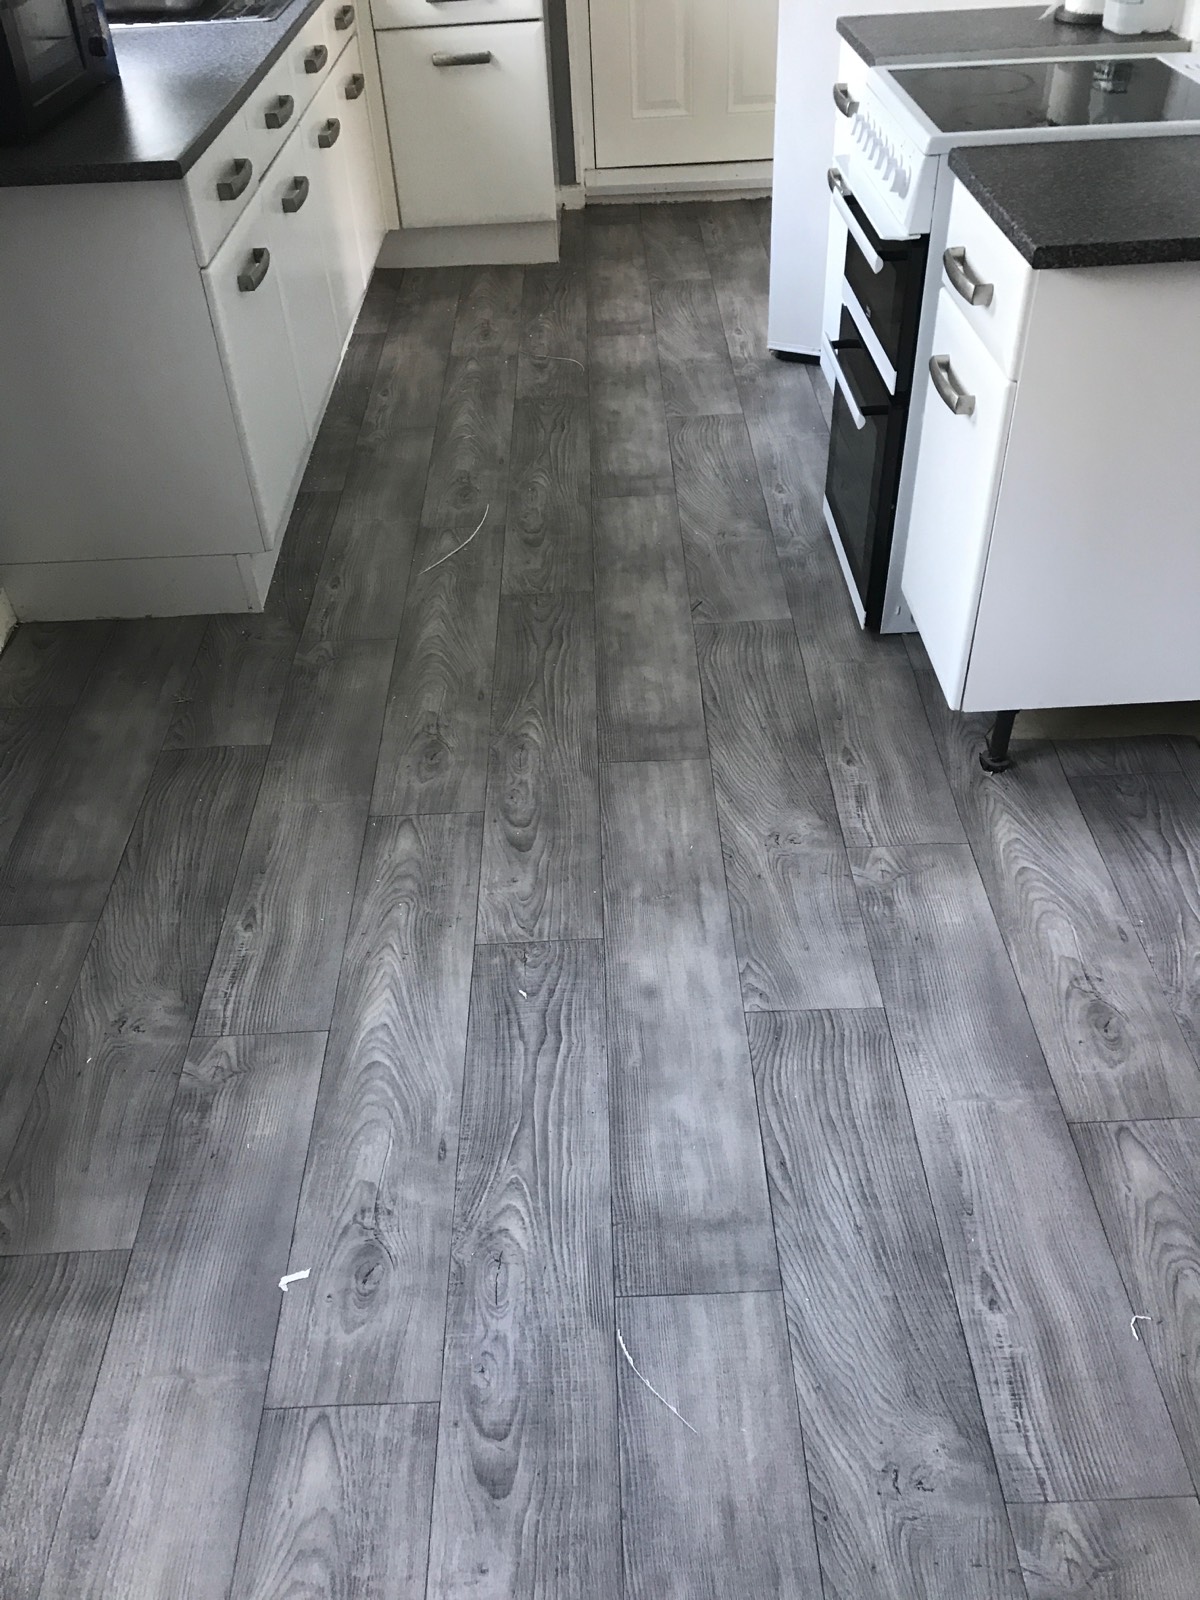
{"points": [[188, 368]]}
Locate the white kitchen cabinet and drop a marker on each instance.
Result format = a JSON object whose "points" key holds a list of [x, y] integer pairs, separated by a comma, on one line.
{"points": [[1053, 553], [243, 285], [362, 173], [468, 116]]}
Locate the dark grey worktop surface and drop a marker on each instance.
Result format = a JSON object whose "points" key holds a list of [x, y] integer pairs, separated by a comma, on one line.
{"points": [[180, 83], [1095, 203], [913, 36]]}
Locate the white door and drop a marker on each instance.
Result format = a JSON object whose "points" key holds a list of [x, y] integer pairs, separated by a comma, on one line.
{"points": [[299, 205], [683, 81], [323, 133], [360, 158]]}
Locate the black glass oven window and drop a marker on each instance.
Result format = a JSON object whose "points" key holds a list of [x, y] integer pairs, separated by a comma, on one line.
{"points": [[890, 299], [1051, 94], [858, 483]]}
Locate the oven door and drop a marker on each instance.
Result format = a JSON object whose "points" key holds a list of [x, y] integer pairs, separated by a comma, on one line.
{"points": [[866, 440], [882, 285]]}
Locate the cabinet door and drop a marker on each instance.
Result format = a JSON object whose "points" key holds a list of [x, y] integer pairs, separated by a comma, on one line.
{"points": [[366, 199], [468, 115], [954, 494], [256, 352], [326, 144], [297, 195]]}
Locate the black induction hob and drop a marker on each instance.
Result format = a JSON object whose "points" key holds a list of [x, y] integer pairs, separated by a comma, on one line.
{"points": [[1050, 94]]}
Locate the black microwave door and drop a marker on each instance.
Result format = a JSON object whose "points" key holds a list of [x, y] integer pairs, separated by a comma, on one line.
{"points": [[888, 288]]}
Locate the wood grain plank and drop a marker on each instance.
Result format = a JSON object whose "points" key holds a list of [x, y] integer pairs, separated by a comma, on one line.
{"points": [[327, 733], [1143, 1177], [78, 1173], [56, 1312], [527, 1498], [333, 447], [1106, 758], [693, 358], [887, 776], [1122, 1550], [690, 1209], [468, 470], [796, 925], [671, 242], [904, 1486], [40, 965], [631, 453], [433, 753], [741, 277], [553, 358], [488, 323], [407, 390], [375, 1212], [276, 964], [1148, 830], [63, 856], [548, 537], [28, 740], [233, 691], [182, 1379], [540, 876], [47, 664], [339, 1504], [301, 553], [1070, 1399], [1111, 1042], [733, 572], [363, 582], [723, 1509], [618, 288], [648, 687]]}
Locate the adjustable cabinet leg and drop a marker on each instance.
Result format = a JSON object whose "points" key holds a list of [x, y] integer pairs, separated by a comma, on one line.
{"points": [[994, 756]]}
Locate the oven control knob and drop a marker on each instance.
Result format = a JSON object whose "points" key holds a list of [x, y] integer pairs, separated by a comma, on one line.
{"points": [[900, 181]]}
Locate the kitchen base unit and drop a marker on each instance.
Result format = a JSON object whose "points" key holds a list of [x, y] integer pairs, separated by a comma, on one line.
{"points": [[1054, 544], [167, 350]]}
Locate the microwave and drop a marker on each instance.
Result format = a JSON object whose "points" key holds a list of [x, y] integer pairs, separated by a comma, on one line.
{"points": [[53, 53]]}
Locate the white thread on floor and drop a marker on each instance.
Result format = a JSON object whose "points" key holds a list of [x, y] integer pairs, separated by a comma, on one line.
{"points": [[458, 547], [293, 1277], [1133, 1322], [650, 1386]]}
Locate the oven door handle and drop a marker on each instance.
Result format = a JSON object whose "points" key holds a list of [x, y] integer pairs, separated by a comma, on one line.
{"points": [[837, 188], [858, 412]]}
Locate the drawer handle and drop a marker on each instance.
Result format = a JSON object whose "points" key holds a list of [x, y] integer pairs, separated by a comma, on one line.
{"points": [[343, 17], [843, 99], [296, 195], [280, 114], [316, 58], [240, 172], [961, 403], [355, 86], [837, 188], [973, 290], [468, 58], [252, 276], [328, 135], [858, 412]]}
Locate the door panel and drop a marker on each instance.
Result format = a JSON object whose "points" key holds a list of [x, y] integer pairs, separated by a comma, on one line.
{"points": [[683, 81]]}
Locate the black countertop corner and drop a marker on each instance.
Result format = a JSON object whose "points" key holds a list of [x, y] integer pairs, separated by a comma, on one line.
{"points": [[179, 85], [905, 38], [1090, 203]]}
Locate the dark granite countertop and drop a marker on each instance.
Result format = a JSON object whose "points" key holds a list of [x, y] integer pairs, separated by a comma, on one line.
{"points": [[1091, 203], [180, 83], [916, 36]]}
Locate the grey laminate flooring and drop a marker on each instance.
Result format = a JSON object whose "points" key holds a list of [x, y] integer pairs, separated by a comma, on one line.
{"points": [[738, 1151]]}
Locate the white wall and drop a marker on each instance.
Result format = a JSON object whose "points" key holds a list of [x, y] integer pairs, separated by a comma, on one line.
{"points": [[7, 620]]}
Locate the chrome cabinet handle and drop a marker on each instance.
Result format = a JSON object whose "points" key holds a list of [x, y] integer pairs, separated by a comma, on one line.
{"points": [[252, 276], [240, 172], [281, 112], [837, 188], [843, 99], [316, 58], [469, 58], [973, 290], [343, 17], [296, 195], [355, 85], [958, 401], [328, 135]]}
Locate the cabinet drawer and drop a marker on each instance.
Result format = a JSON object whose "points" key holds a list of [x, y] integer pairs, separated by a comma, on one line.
{"points": [[954, 494], [311, 54], [987, 262], [471, 142], [221, 185], [450, 13], [256, 353], [271, 113]]}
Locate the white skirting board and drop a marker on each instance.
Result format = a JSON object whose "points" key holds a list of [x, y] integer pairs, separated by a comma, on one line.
{"points": [[158, 586], [8, 619], [496, 244], [725, 180]]}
